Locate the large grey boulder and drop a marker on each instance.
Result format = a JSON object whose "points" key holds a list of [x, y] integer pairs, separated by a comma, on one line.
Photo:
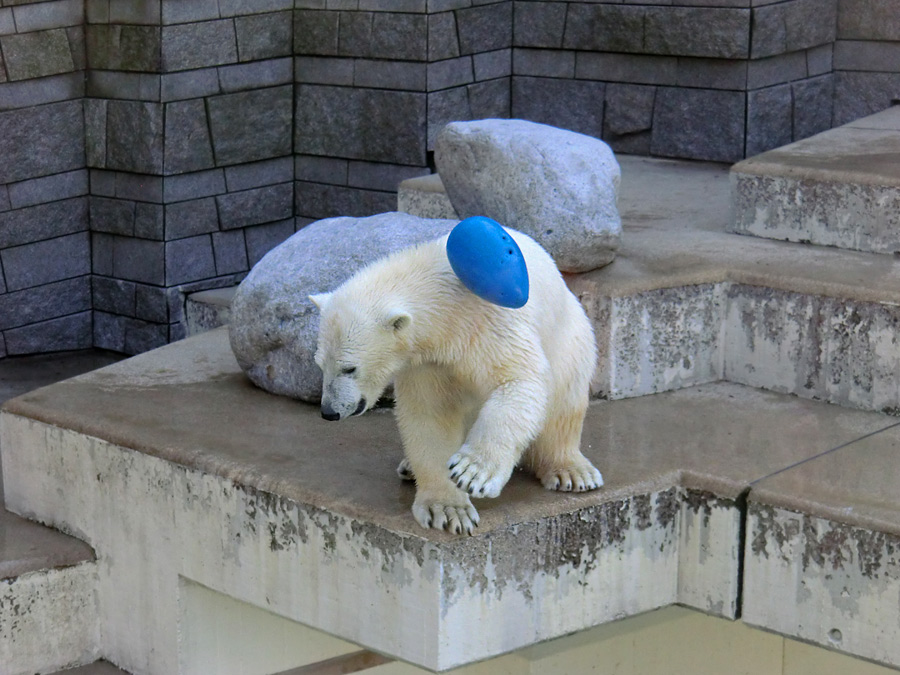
{"points": [[274, 325], [557, 186]]}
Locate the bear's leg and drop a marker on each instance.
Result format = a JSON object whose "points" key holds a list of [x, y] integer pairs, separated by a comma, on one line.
{"points": [[431, 415], [507, 423], [555, 457]]}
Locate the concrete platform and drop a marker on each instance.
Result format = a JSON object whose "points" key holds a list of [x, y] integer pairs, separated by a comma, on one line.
{"points": [[255, 496], [838, 188]]}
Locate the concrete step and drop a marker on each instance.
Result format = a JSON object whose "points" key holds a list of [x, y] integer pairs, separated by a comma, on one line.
{"points": [[838, 188], [48, 604], [205, 310], [48, 580]]}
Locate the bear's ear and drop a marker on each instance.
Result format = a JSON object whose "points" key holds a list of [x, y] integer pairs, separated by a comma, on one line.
{"points": [[321, 300], [398, 320]]}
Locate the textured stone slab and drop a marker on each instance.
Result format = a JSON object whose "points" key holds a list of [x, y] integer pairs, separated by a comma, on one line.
{"points": [[425, 197], [196, 45], [793, 25], [252, 207], [123, 47], [134, 136], [33, 55], [41, 141], [187, 142], [55, 335], [699, 123], [41, 303], [839, 188], [24, 265], [369, 124], [556, 186], [251, 125], [263, 36], [274, 324], [44, 221], [206, 310]]}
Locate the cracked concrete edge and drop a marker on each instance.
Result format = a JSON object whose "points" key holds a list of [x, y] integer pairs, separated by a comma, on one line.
{"points": [[839, 583], [611, 560]]}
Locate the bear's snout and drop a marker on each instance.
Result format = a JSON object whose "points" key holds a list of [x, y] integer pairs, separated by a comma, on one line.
{"points": [[329, 414]]}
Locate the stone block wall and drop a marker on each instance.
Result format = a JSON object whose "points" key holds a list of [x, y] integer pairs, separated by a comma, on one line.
{"points": [[45, 264], [866, 58], [189, 122], [151, 148], [716, 79], [376, 80]]}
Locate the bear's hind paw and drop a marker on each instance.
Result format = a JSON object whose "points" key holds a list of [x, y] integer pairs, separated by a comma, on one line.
{"points": [[573, 479], [404, 470], [454, 519]]}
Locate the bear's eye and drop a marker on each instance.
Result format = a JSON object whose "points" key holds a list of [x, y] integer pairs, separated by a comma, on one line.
{"points": [[348, 371]]}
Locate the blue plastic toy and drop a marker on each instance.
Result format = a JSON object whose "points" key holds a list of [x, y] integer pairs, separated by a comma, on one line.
{"points": [[488, 261]]}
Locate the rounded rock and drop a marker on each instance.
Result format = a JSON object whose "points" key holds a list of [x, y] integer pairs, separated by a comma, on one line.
{"points": [[274, 325]]}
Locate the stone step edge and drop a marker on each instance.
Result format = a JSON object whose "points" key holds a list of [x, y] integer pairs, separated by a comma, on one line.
{"points": [[52, 616]]}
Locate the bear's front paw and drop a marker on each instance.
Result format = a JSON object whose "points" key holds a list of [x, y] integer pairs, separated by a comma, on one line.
{"points": [[474, 477], [457, 518], [577, 478]]}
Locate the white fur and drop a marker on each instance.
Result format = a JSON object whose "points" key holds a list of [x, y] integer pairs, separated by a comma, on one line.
{"points": [[479, 388]]}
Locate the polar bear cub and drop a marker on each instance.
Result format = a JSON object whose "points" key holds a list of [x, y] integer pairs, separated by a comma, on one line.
{"points": [[479, 388]]}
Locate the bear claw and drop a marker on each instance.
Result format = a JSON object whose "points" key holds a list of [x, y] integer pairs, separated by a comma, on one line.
{"points": [[455, 519], [573, 479], [472, 478]]}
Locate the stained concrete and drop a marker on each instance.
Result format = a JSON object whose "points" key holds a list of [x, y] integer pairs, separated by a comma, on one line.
{"points": [[838, 188], [255, 495], [26, 546]]}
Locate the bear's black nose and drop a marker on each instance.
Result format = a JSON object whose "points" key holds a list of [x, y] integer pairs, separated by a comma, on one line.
{"points": [[329, 414]]}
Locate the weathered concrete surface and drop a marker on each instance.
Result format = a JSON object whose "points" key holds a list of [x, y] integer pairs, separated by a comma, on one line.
{"points": [[206, 310], [255, 496], [425, 197], [842, 582], [48, 620], [826, 534], [838, 188]]}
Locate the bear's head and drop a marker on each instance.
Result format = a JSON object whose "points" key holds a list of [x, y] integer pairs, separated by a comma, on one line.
{"points": [[360, 349]]}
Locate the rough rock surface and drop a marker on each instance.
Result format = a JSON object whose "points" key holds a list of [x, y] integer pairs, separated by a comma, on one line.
{"points": [[274, 325], [557, 186]]}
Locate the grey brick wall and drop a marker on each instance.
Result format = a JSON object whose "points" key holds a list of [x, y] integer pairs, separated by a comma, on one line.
{"points": [[159, 147], [45, 263], [719, 80], [189, 120], [866, 58]]}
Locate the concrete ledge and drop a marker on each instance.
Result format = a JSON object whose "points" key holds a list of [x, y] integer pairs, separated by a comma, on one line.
{"points": [[48, 619], [254, 496], [839, 188]]}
